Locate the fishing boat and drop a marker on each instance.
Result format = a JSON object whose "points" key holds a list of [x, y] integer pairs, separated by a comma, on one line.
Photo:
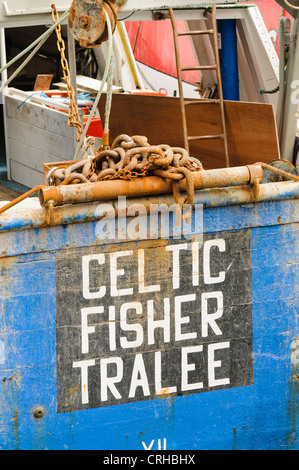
{"points": [[149, 261]]}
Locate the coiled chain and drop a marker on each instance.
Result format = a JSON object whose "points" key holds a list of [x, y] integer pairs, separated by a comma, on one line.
{"points": [[132, 157]]}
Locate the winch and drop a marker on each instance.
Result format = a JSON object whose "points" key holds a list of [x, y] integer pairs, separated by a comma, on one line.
{"points": [[87, 21]]}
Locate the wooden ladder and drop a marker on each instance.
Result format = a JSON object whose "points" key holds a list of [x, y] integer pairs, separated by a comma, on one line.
{"points": [[216, 66]]}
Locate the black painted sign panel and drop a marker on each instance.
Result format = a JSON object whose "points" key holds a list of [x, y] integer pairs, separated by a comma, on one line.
{"points": [[143, 320]]}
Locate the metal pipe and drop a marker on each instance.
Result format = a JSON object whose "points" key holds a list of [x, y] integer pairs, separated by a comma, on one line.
{"points": [[284, 40], [150, 185], [289, 119], [22, 218], [19, 199]]}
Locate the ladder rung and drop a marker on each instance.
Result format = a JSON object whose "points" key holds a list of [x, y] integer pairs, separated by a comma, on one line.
{"points": [[186, 103], [202, 137], [194, 33], [199, 67]]}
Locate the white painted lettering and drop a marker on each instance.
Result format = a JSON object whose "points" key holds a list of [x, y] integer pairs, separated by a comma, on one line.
{"points": [[195, 263], [187, 367], [109, 382], [83, 365], [114, 273], [208, 279], [85, 329], [210, 318], [148, 447], [124, 342], [212, 364], [139, 377], [112, 333], [153, 324], [158, 377], [100, 258], [179, 320], [142, 288], [176, 262]]}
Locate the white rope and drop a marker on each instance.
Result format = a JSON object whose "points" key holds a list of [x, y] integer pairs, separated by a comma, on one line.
{"points": [[278, 28], [291, 6], [16, 72], [104, 79], [37, 41], [109, 95]]}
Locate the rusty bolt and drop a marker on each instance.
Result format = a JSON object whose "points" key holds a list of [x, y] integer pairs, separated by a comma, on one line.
{"points": [[160, 15], [85, 21], [39, 412]]}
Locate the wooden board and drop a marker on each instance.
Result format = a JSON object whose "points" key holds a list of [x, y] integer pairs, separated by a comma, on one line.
{"points": [[35, 135], [8, 194], [251, 128]]}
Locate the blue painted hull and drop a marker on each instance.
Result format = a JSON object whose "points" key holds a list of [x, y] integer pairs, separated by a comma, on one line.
{"points": [[261, 415]]}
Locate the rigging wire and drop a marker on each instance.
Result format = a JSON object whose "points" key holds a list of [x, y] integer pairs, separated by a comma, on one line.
{"points": [[291, 6], [106, 78], [37, 41]]}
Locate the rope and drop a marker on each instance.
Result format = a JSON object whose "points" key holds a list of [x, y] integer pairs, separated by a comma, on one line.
{"points": [[278, 28], [16, 72], [275, 90], [105, 76], [291, 6], [109, 95], [41, 93], [45, 34]]}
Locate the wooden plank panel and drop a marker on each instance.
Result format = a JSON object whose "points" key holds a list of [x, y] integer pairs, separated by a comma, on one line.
{"points": [[31, 157], [43, 118], [26, 176], [8, 194], [5, 196], [251, 129], [44, 141]]}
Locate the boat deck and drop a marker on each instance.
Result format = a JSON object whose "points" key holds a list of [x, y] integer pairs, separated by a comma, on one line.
{"points": [[10, 190]]}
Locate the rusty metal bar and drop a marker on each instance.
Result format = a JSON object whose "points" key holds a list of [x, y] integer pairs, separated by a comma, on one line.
{"points": [[195, 33], [147, 186], [199, 67], [23, 218], [219, 82], [180, 82], [20, 198]]}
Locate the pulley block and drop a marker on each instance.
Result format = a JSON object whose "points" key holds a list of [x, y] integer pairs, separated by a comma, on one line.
{"points": [[87, 21]]}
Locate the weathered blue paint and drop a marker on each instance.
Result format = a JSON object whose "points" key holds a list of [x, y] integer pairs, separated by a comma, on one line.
{"points": [[260, 416]]}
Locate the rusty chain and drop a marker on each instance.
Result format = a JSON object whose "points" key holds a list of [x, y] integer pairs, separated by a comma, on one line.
{"points": [[74, 117], [132, 157]]}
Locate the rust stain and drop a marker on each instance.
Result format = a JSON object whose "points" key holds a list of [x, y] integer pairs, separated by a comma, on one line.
{"points": [[87, 21], [74, 393], [16, 428], [120, 4], [16, 378], [165, 392]]}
